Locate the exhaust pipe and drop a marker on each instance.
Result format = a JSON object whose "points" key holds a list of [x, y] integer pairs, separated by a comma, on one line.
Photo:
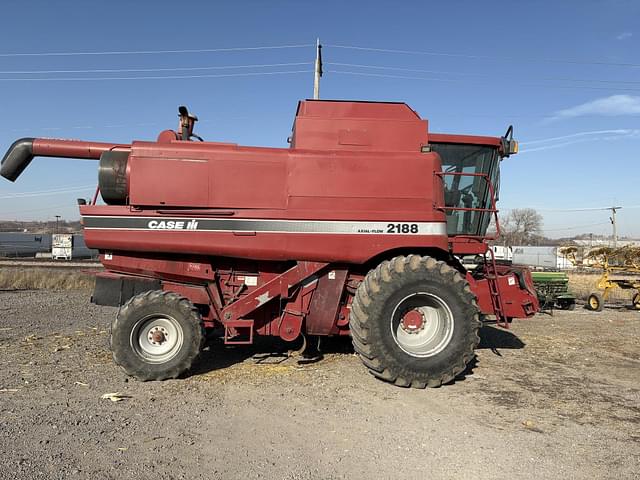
{"points": [[20, 154]]}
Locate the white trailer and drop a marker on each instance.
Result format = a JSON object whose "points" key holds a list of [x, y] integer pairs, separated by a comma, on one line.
{"points": [[501, 252], [548, 258], [61, 246]]}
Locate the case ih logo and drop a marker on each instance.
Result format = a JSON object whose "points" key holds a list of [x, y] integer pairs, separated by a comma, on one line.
{"points": [[172, 225]]}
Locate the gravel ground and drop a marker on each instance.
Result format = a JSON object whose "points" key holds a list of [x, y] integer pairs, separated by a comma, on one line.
{"points": [[554, 397]]}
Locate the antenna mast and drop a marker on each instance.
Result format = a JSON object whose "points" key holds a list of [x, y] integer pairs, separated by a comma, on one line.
{"points": [[318, 71]]}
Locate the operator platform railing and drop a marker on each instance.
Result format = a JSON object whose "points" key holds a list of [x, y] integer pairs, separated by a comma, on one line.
{"points": [[493, 210]]}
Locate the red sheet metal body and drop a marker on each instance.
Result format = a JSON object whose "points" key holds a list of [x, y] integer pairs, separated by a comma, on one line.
{"points": [[348, 162], [234, 227], [519, 299]]}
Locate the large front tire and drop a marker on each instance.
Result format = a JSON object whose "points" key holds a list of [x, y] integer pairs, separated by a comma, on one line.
{"points": [[157, 335], [414, 322]]}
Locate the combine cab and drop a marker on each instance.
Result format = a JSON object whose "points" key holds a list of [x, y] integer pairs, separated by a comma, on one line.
{"points": [[353, 230]]}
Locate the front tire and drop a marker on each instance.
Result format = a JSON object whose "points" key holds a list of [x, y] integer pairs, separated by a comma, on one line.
{"points": [[157, 335], [414, 322]]}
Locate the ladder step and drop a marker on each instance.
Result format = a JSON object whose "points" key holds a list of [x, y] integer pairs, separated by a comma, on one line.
{"points": [[232, 329], [491, 274]]}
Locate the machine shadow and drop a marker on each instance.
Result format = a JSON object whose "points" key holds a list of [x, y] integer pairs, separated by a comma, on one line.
{"points": [[494, 338], [264, 350], [217, 355]]}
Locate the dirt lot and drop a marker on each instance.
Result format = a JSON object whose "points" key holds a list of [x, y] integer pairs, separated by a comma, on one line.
{"points": [[554, 397]]}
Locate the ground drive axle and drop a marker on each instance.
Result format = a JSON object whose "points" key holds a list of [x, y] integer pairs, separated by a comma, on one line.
{"points": [[356, 229]]}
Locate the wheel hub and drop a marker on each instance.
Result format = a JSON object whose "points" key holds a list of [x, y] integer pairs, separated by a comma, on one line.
{"points": [[157, 338], [413, 321], [422, 324], [158, 335]]}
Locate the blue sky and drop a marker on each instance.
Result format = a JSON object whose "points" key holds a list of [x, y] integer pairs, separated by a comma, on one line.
{"points": [[566, 74]]}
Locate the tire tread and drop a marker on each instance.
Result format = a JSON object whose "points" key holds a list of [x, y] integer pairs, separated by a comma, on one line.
{"points": [[382, 278], [121, 352]]}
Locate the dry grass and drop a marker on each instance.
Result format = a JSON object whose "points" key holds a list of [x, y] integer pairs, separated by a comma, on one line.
{"points": [[582, 284], [16, 278]]}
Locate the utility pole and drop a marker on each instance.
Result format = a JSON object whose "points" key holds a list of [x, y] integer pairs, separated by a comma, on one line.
{"points": [[57, 220], [613, 224], [318, 71]]}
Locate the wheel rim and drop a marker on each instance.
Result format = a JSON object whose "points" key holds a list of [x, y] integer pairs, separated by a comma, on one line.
{"points": [[593, 302], [422, 324], [157, 338]]}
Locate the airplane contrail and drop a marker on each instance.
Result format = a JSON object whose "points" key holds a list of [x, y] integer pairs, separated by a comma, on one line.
{"points": [[623, 132]]}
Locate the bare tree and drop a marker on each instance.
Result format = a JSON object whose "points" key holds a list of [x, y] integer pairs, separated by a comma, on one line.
{"points": [[521, 227]]}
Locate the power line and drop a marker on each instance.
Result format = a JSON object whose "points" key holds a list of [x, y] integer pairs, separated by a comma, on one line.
{"points": [[515, 115], [457, 80], [159, 77], [123, 125], [471, 74], [135, 70], [42, 209], [153, 52], [568, 210], [41, 193], [339, 64], [577, 227], [485, 57], [48, 189], [368, 74], [588, 209]]}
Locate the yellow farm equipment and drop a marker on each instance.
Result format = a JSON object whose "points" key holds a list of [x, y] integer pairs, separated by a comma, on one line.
{"points": [[612, 261]]}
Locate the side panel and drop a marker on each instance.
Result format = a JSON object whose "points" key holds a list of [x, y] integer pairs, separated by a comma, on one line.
{"points": [[360, 134], [372, 126], [347, 184], [194, 270], [326, 302], [396, 184], [168, 181], [260, 246]]}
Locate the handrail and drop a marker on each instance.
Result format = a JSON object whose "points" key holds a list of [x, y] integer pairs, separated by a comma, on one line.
{"points": [[492, 210]]}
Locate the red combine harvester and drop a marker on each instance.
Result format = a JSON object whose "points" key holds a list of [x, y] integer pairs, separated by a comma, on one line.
{"points": [[357, 229]]}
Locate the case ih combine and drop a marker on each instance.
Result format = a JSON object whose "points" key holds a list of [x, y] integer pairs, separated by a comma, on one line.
{"points": [[355, 229]]}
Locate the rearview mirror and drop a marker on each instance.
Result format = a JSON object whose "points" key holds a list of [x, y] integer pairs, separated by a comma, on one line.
{"points": [[509, 145]]}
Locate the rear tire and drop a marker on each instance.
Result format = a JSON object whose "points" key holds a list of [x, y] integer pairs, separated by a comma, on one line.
{"points": [[414, 322], [157, 335], [595, 302]]}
